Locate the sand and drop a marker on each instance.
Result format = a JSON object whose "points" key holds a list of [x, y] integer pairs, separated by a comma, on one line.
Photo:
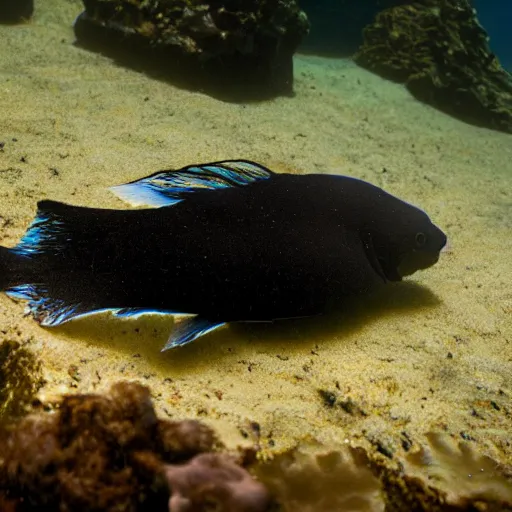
{"points": [[432, 354]]}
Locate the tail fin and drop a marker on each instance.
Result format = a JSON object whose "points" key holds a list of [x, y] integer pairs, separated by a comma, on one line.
{"points": [[24, 272], [11, 268], [15, 263]]}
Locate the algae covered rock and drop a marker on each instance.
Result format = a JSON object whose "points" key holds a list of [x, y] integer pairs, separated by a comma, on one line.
{"points": [[441, 52], [222, 44], [112, 453]]}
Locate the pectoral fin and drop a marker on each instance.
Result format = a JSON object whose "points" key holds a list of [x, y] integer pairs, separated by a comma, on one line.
{"points": [[372, 256]]}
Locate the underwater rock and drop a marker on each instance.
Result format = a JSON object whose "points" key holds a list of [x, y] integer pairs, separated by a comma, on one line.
{"points": [[224, 46], [112, 453], [14, 11], [441, 52], [20, 380]]}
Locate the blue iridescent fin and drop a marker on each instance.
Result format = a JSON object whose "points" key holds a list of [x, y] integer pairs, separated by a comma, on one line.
{"points": [[50, 312], [165, 188], [190, 329], [135, 312], [47, 311], [42, 236]]}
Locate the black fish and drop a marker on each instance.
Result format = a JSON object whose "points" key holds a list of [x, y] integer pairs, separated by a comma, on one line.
{"points": [[226, 242]]}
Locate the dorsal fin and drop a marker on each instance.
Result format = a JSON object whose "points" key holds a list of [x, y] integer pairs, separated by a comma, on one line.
{"points": [[165, 188]]}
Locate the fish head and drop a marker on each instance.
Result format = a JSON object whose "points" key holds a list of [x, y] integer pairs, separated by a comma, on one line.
{"points": [[402, 241], [421, 251]]}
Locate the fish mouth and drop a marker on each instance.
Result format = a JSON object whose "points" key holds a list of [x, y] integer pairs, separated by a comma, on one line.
{"points": [[415, 261]]}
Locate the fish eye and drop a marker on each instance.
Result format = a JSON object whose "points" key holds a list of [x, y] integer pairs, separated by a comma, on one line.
{"points": [[421, 239]]}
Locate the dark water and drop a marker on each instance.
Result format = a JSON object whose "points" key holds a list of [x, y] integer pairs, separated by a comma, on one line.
{"points": [[336, 27]]}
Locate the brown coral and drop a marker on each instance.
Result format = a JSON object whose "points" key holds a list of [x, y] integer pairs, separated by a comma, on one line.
{"points": [[219, 480], [110, 453], [441, 52]]}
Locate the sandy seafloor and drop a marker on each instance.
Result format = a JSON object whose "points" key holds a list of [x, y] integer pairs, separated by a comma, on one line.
{"points": [[431, 355]]}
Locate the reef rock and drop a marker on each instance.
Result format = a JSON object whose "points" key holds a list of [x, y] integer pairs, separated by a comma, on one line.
{"points": [[441, 52], [223, 46], [112, 453]]}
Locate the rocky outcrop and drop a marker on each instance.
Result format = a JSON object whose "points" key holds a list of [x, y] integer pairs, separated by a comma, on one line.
{"points": [[441, 52], [223, 46]]}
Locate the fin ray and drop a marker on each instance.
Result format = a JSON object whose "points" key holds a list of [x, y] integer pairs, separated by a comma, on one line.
{"points": [[189, 330], [136, 312], [44, 233], [165, 188], [51, 312], [48, 311]]}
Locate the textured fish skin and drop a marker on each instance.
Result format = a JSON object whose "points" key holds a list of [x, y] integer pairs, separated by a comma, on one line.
{"points": [[282, 247]]}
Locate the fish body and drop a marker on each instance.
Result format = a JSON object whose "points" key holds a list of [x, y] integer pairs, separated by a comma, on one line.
{"points": [[225, 242]]}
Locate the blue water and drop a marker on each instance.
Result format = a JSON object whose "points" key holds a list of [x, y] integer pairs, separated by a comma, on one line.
{"points": [[496, 18]]}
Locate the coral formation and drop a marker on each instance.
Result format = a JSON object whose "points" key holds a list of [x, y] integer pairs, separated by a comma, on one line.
{"points": [[20, 379], [441, 52], [463, 478], [440, 476], [112, 453], [314, 478], [225, 482], [106, 453], [219, 43], [435, 477]]}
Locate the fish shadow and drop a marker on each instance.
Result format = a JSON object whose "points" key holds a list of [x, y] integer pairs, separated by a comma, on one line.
{"points": [[145, 336], [392, 299]]}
